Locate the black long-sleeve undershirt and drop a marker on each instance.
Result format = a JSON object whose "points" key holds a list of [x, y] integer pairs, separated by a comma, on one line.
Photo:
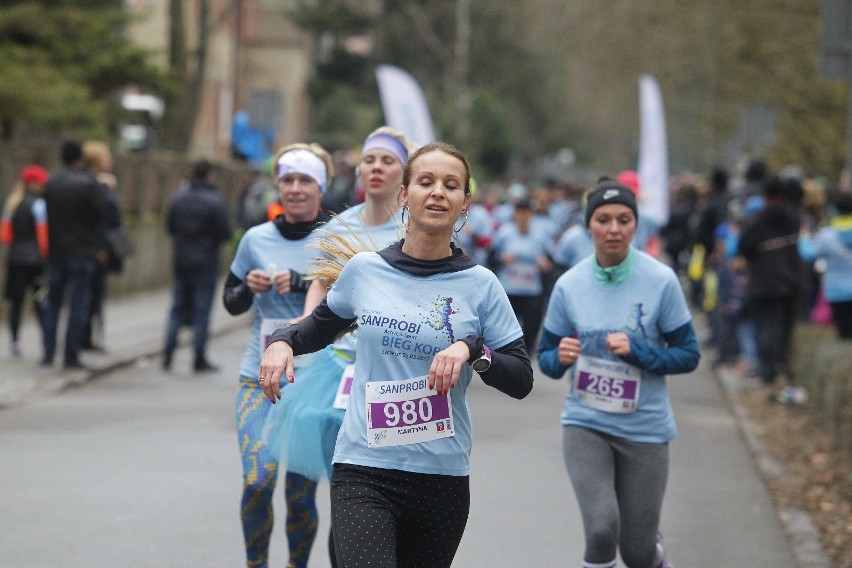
{"points": [[510, 372], [236, 295]]}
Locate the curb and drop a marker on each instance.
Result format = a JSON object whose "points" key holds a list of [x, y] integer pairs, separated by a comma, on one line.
{"points": [[801, 532], [53, 381]]}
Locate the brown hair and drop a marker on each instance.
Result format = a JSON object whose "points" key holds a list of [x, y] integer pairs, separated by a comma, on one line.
{"points": [[437, 147]]}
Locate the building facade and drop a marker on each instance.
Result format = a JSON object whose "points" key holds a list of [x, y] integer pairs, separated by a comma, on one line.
{"points": [[256, 70]]}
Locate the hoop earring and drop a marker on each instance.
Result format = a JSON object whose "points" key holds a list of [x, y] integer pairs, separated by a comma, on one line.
{"points": [[466, 215], [402, 218]]}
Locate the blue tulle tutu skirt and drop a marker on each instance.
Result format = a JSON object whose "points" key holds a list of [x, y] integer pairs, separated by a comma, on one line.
{"points": [[301, 429]]}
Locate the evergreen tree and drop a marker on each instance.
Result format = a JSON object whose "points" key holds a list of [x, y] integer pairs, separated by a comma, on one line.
{"points": [[62, 65]]}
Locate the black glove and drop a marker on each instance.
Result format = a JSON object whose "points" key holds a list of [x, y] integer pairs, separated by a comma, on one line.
{"points": [[298, 282]]}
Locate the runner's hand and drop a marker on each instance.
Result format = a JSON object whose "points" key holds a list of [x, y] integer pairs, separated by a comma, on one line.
{"points": [[568, 351], [281, 281], [258, 281], [446, 367], [277, 362], [618, 344]]}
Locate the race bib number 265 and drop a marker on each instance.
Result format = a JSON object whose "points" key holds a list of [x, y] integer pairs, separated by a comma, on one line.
{"points": [[611, 386]]}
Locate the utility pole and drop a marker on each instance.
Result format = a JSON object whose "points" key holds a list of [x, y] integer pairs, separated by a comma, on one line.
{"points": [[462, 71], [836, 58]]}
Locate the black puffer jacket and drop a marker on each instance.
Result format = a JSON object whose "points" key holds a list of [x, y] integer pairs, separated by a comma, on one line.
{"points": [[198, 223], [769, 245], [75, 210]]}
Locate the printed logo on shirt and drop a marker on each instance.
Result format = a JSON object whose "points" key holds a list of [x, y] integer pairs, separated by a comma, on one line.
{"points": [[403, 337], [634, 319], [389, 323], [439, 319]]}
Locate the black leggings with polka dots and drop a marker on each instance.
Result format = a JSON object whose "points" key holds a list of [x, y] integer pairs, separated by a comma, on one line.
{"points": [[386, 518]]}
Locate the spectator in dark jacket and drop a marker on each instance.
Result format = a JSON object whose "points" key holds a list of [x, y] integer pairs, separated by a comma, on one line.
{"points": [[76, 209], [198, 223], [769, 246], [715, 211], [97, 159], [676, 236]]}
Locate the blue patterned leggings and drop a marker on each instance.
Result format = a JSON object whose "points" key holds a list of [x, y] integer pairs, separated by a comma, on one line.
{"points": [[260, 471]]}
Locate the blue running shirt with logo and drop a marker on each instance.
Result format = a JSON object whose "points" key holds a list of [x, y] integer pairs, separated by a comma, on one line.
{"points": [[349, 224], [522, 276], [646, 305], [259, 248], [403, 321]]}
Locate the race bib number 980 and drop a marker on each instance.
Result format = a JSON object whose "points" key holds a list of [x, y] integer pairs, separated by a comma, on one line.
{"points": [[406, 412]]}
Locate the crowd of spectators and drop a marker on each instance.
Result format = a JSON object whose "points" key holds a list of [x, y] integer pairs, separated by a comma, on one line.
{"points": [[757, 251]]}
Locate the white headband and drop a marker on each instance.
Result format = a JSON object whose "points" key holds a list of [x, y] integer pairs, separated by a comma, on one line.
{"points": [[304, 162]]}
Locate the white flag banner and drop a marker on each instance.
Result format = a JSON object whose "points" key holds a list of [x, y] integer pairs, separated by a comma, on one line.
{"points": [[653, 151], [404, 104]]}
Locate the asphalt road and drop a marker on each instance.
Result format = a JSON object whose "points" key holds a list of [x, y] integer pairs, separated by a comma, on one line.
{"points": [[140, 468]]}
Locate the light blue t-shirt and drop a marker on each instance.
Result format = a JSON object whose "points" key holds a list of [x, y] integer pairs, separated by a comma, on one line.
{"points": [[403, 321], [835, 246], [503, 213], [522, 276], [646, 229], [349, 224], [482, 220], [545, 228], [479, 225], [561, 211], [260, 247], [646, 305], [574, 245]]}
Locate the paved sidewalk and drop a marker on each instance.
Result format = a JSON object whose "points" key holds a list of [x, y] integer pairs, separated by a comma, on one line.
{"points": [[135, 330], [802, 534]]}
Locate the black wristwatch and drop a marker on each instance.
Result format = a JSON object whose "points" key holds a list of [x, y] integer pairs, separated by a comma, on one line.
{"points": [[484, 362]]}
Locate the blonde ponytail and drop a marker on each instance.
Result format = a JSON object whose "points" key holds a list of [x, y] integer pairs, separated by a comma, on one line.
{"points": [[14, 199]]}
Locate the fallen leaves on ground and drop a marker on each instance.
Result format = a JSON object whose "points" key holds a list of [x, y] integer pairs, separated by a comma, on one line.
{"points": [[817, 475]]}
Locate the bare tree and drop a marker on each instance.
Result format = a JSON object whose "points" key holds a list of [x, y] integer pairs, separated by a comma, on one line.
{"points": [[190, 73]]}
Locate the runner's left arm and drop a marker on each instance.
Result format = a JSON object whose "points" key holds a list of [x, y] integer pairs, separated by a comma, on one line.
{"points": [[510, 371], [679, 355]]}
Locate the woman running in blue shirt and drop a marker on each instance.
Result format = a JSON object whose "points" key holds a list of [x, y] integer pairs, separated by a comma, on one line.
{"points": [[427, 315], [618, 322], [268, 275], [303, 428]]}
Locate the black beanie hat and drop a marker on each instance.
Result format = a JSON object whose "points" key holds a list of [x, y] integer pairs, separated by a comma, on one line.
{"points": [[608, 191]]}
